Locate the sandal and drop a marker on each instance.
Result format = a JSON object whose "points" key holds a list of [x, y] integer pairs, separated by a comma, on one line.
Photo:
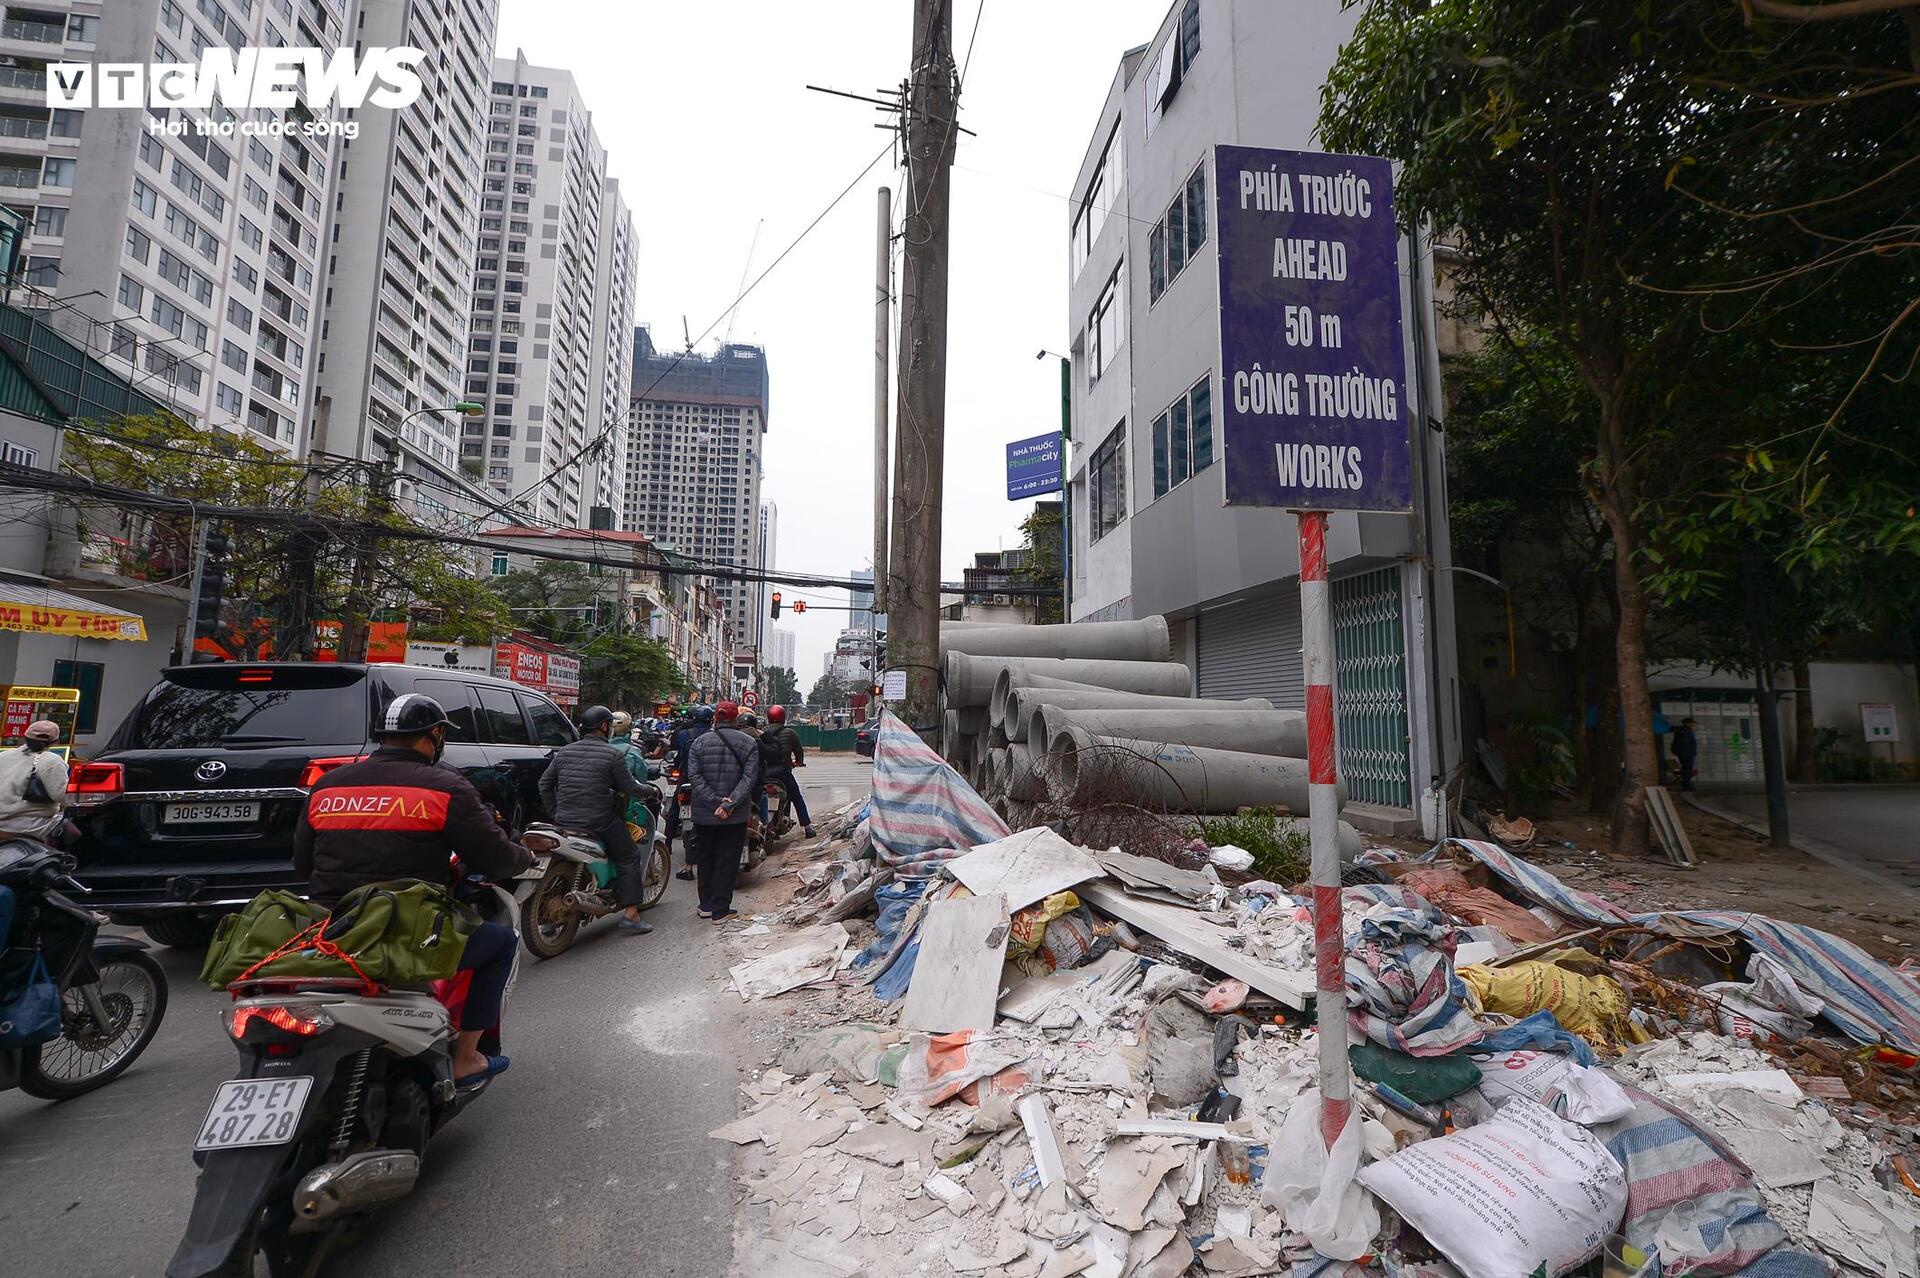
{"points": [[495, 1065]]}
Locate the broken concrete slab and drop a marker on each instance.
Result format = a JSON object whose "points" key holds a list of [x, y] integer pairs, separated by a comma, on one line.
{"points": [[1026, 867], [1129, 1178], [956, 979], [1145, 871], [815, 957]]}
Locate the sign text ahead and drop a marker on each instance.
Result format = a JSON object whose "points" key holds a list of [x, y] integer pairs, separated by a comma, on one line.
{"points": [[1313, 374]]}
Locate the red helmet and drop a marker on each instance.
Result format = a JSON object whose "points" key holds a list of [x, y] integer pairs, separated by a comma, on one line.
{"points": [[776, 714]]}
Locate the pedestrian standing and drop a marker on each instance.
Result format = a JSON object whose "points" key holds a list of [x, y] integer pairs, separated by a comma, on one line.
{"points": [[33, 782], [723, 769], [1686, 749]]}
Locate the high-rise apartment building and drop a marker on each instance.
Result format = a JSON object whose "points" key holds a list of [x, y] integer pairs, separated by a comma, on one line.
{"points": [[769, 544], [779, 649], [693, 462], [192, 263], [399, 267], [549, 355]]}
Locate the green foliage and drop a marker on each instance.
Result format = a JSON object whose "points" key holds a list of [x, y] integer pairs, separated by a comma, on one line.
{"points": [[628, 672], [783, 686], [1041, 534], [831, 693], [1281, 847], [554, 599]]}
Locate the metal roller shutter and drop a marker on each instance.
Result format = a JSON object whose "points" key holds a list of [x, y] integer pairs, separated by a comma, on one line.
{"points": [[1252, 649]]}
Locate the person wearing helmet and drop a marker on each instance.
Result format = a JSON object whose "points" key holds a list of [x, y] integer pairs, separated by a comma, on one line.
{"points": [[783, 755], [397, 814], [620, 737], [700, 723], [33, 782], [587, 786]]}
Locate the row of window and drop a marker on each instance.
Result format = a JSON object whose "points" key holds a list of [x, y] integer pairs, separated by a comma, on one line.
{"points": [[1182, 442]]}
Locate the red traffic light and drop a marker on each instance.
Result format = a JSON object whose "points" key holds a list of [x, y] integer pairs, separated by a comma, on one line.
{"points": [[800, 605]]}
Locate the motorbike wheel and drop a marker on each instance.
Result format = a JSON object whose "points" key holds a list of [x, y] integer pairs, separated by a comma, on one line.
{"points": [[659, 873], [287, 1255], [547, 923], [88, 1055]]}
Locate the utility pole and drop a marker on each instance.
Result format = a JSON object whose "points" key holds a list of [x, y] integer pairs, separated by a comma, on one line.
{"points": [[882, 348], [913, 586], [357, 624]]}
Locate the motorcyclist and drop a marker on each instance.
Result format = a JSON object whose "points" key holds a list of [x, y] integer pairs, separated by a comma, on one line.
{"points": [[586, 787], [397, 814], [780, 753], [33, 782], [700, 724]]}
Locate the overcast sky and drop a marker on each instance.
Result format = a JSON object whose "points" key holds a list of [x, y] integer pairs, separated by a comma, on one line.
{"points": [[709, 128]]}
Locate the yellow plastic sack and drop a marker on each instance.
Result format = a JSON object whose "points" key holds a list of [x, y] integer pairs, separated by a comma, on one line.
{"points": [[1029, 926], [1590, 1004]]}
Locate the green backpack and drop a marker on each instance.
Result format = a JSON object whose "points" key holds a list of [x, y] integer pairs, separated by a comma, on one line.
{"points": [[267, 922], [403, 932]]}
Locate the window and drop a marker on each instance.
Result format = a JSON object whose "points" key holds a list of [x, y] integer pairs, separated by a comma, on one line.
{"points": [[85, 30], [244, 275], [550, 727], [152, 154], [1106, 325], [65, 124], [1168, 70], [1104, 190], [1107, 484], [239, 316], [500, 714], [500, 565], [233, 357], [18, 454], [250, 235], [452, 694], [49, 221], [139, 245], [57, 173], [87, 676], [227, 399], [144, 198], [1183, 438], [1178, 235], [131, 294]]}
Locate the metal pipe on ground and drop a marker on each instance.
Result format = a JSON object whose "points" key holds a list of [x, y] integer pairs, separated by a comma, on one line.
{"points": [[1144, 640], [1084, 768], [970, 679], [1039, 688], [1282, 733]]}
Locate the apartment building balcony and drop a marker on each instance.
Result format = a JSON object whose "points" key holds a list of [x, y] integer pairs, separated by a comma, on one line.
{"points": [[26, 85]]}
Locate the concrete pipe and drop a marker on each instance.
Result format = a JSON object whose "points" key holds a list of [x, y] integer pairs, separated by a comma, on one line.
{"points": [[960, 753], [973, 720], [1282, 733], [1086, 768], [1018, 703], [949, 729], [1087, 640], [996, 735], [970, 679], [995, 773], [1026, 774]]}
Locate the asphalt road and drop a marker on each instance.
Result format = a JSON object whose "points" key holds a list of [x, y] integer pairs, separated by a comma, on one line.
{"points": [[590, 1157], [1872, 830]]}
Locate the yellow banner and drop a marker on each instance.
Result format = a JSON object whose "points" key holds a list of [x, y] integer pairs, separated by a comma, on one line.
{"points": [[37, 619]]}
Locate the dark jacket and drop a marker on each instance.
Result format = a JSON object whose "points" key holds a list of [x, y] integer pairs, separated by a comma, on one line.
{"points": [[683, 743], [394, 815], [587, 784], [790, 743], [1685, 744], [723, 764]]}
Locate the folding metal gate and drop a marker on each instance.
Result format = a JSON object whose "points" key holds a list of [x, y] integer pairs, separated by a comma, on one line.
{"points": [[1370, 674]]}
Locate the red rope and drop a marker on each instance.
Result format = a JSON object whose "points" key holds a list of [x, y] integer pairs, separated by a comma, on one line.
{"points": [[311, 939]]}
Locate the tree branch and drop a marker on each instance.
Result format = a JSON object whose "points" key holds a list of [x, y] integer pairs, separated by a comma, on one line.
{"points": [[1831, 12]]}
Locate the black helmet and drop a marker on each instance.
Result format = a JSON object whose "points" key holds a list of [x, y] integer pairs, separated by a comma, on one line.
{"points": [[593, 716], [703, 714], [411, 714]]}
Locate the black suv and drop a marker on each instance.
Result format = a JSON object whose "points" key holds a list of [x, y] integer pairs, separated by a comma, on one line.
{"points": [[190, 810]]}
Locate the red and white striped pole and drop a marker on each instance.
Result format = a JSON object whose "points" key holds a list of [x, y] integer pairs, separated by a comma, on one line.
{"points": [[1323, 823]]}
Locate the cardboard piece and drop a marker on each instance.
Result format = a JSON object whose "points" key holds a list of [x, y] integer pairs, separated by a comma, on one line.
{"points": [[956, 979]]}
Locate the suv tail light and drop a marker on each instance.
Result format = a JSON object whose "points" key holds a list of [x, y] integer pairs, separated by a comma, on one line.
{"points": [[317, 768], [303, 1020], [92, 783]]}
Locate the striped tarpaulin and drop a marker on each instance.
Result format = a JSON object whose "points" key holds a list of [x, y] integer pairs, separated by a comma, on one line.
{"points": [[1866, 999], [923, 812]]}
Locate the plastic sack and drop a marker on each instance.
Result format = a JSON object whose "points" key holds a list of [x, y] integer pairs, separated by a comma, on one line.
{"points": [[1571, 1090], [1769, 1005], [1028, 929], [1542, 1031], [1315, 1189], [1590, 1003], [1523, 1193], [1418, 1078], [1229, 857], [935, 1068], [30, 1010]]}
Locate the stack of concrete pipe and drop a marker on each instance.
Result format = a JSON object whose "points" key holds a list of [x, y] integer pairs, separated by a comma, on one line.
{"points": [[1066, 714]]}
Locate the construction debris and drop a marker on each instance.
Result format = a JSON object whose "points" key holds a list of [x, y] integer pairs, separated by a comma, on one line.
{"points": [[1051, 1060]]}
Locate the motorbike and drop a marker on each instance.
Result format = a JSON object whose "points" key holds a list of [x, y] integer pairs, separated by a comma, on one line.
{"points": [[112, 995], [341, 1085], [572, 882], [780, 818], [753, 851]]}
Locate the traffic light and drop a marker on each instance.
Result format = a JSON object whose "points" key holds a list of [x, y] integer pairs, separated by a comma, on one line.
{"points": [[776, 606], [800, 605], [213, 584]]}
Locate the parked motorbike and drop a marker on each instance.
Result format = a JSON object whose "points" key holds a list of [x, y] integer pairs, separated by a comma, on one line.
{"points": [[340, 1086], [752, 852], [573, 882], [112, 996]]}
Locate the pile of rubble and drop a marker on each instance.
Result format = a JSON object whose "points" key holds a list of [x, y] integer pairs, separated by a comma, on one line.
{"points": [[1025, 1057]]}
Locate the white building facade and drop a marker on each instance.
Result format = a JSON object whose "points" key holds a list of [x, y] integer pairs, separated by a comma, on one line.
{"points": [[779, 649], [1150, 532], [553, 294], [400, 267]]}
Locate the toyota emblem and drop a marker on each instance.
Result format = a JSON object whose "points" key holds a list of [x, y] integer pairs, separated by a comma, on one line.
{"points": [[211, 770]]}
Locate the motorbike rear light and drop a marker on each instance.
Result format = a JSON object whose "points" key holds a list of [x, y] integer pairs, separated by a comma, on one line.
{"points": [[317, 768], [92, 783], [302, 1019]]}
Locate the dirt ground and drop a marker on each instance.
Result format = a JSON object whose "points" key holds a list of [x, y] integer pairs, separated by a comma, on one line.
{"points": [[1738, 870]]}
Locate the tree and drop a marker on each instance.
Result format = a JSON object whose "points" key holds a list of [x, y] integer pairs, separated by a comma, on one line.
{"points": [[288, 564], [783, 686], [628, 671], [1040, 535], [554, 599], [830, 692]]}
